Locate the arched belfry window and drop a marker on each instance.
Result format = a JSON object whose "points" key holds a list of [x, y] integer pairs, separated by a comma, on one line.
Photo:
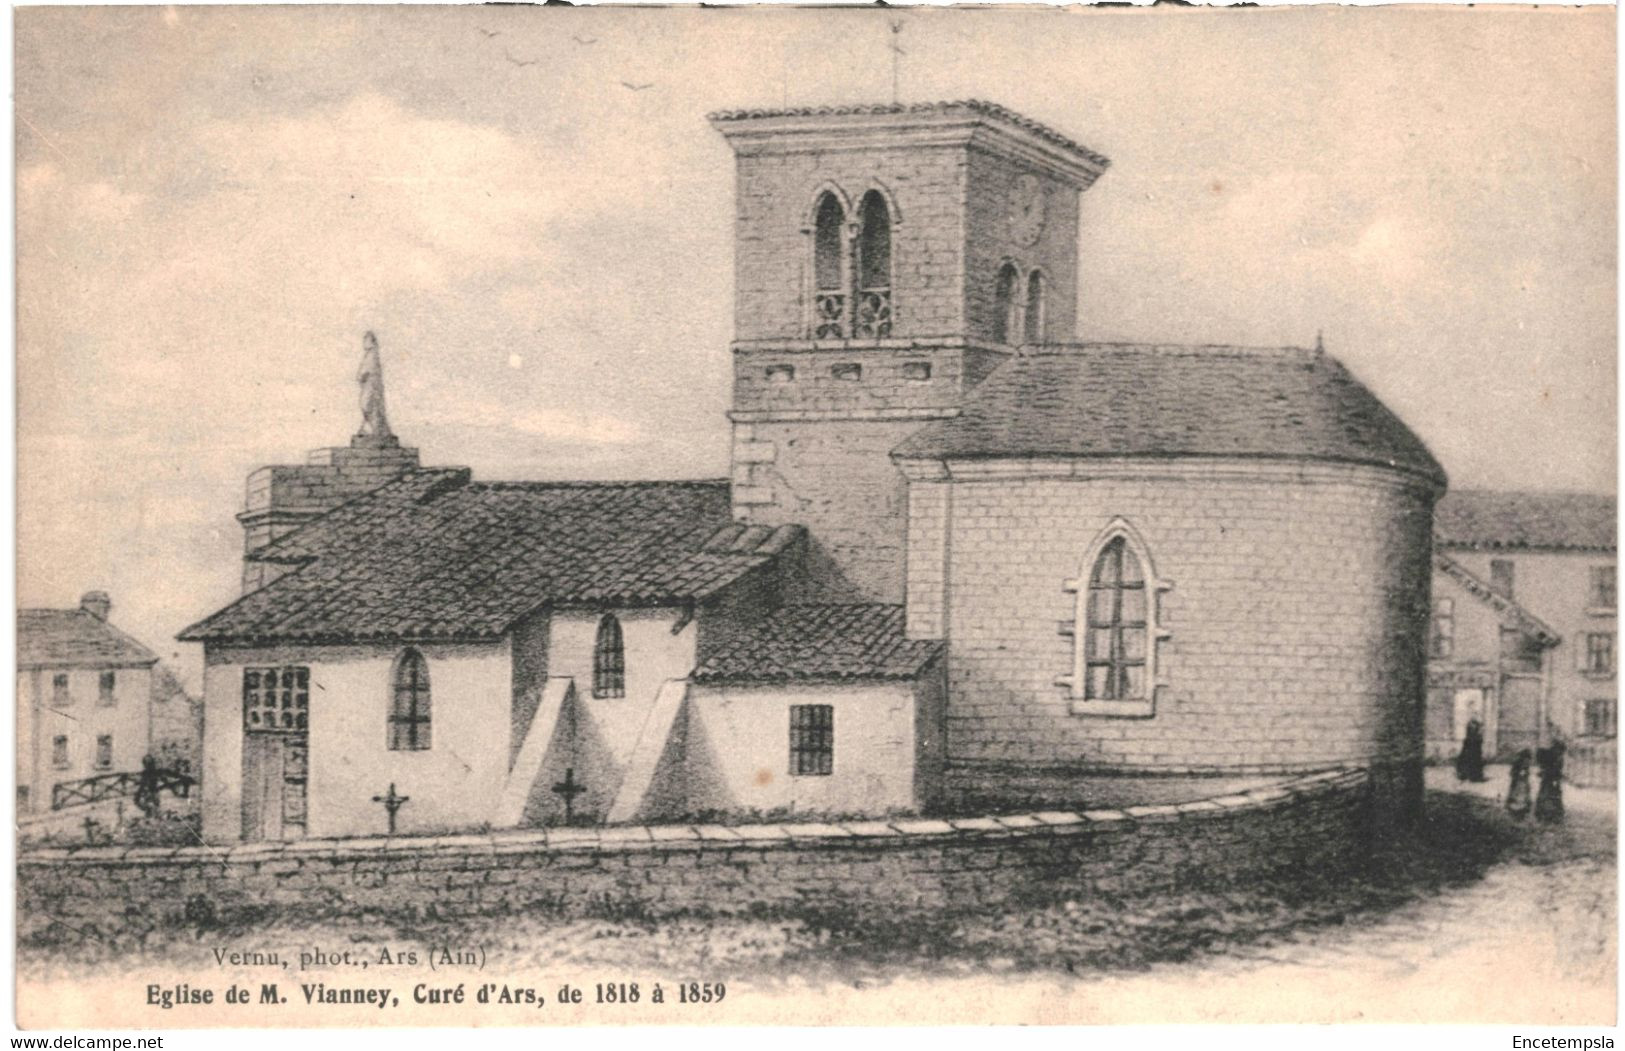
{"points": [[409, 712], [609, 659], [1114, 629], [1035, 307], [874, 267], [1006, 303], [829, 268]]}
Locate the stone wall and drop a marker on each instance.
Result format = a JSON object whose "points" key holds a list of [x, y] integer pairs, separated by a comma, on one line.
{"points": [[1296, 596], [1319, 822], [776, 195]]}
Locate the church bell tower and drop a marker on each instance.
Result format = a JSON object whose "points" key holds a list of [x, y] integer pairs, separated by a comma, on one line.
{"points": [[886, 259]]}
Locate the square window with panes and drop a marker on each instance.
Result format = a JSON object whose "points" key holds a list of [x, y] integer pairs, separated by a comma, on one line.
{"points": [[104, 752], [812, 740], [1601, 717], [276, 700], [1602, 588], [1598, 658], [105, 687], [61, 697]]}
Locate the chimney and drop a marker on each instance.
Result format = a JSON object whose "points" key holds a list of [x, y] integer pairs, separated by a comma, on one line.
{"points": [[96, 603]]}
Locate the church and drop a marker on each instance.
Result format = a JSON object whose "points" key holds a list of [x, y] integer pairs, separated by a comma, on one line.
{"points": [[963, 561]]}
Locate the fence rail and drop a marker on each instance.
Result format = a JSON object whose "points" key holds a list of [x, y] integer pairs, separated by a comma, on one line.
{"points": [[144, 786]]}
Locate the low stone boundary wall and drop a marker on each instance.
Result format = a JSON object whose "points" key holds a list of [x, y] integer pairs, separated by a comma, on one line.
{"points": [[1318, 820]]}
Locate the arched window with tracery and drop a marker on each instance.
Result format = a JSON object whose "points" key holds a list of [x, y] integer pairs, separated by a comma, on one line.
{"points": [[409, 712], [874, 268], [1115, 632], [609, 659], [1006, 329], [1035, 307], [829, 268]]}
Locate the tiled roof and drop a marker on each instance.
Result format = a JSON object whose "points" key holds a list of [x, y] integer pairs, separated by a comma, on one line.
{"points": [[1486, 519], [1113, 400], [986, 109], [73, 637], [821, 644], [437, 556], [1486, 594]]}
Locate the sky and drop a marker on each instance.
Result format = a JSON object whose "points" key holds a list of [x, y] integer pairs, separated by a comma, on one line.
{"points": [[213, 204]]}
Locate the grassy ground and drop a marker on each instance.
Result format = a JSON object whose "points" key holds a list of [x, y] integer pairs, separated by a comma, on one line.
{"points": [[1464, 838]]}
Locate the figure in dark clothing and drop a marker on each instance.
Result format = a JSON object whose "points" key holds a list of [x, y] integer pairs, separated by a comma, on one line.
{"points": [[1470, 761], [1518, 793], [146, 791], [1549, 801]]}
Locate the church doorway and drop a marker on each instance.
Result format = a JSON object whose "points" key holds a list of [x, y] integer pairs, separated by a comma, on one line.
{"points": [[276, 752]]}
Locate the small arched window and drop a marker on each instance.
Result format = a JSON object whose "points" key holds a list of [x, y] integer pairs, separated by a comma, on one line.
{"points": [[874, 267], [1005, 305], [829, 269], [609, 660], [1114, 630], [409, 704], [1035, 307]]}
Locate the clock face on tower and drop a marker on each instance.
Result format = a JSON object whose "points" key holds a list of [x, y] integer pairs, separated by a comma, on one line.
{"points": [[1027, 210]]}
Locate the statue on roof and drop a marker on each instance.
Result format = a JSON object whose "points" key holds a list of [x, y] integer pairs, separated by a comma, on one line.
{"points": [[374, 420]]}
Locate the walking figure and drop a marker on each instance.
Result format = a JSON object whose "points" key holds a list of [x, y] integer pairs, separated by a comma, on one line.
{"points": [[1518, 794], [1470, 760], [1549, 801]]}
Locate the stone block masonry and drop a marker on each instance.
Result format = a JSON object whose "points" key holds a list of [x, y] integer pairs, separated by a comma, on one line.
{"points": [[1317, 822]]}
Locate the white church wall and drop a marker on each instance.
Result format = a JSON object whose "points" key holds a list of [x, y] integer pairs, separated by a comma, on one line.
{"points": [[739, 749], [606, 729], [452, 785]]}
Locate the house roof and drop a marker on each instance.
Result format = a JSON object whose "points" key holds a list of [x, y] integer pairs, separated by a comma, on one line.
{"points": [[1487, 519], [821, 644], [73, 638], [1511, 611], [1116, 400], [435, 555]]}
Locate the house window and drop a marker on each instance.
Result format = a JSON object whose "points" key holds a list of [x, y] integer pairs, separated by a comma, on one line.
{"points": [[276, 700], [409, 704], [1601, 717], [104, 752], [1602, 588], [22, 797], [874, 268], [1005, 305], [609, 660], [1442, 641], [780, 373], [1598, 658], [812, 740], [1114, 628], [1520, 651], [104, 691], [1035, 307], [1501, 577], [916, 370], [59, 751], [60, 697], [829, 269]]}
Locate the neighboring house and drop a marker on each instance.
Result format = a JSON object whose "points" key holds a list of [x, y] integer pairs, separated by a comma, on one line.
{"points": [[958, 558], [1524, 620], [84, 699]]}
